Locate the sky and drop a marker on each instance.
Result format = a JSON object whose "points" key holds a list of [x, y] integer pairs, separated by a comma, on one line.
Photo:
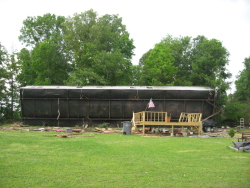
{"points": [[147, 21]]}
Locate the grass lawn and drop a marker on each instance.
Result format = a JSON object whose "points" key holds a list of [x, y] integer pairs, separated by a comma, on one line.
{"points": [[29, 159]]}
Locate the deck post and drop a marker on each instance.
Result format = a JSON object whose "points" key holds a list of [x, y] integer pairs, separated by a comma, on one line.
{"points": [[200, 129], [172, 130], [143, 119]]}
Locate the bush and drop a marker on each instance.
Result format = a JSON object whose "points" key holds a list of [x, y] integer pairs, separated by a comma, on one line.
{"points": [[104, 125], [231, 133]]}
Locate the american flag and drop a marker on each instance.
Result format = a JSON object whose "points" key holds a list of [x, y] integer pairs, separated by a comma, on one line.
{"points": [[151, 104]]}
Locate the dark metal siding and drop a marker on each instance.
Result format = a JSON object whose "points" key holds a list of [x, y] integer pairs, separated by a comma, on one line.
{"points": [[70, 106]]}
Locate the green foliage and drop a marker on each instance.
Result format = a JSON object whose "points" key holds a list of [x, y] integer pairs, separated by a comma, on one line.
{"points": [[27, 74], [4, 59], [135, 76], [113, 160], [231, 133], [158, 68], [104, 125], [238, 105], [47, 63], [186, 61], [209, 60], [236, 110], [101, 49], [8, 85], [243, 82], [41, 28]]}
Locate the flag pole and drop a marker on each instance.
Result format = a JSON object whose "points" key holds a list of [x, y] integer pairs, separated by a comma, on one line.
{"points": [[146, 107]]}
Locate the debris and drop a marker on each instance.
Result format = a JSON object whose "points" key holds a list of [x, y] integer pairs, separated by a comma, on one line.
{"points": [[67, 135], [241, 146], [77, 130], [103, 130], [19, 124]]}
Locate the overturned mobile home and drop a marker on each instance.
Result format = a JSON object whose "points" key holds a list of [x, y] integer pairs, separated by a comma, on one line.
{"points": [[70, 106]]}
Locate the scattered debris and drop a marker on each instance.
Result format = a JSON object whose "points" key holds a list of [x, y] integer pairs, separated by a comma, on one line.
{"points": [[67, 135], [19, 124], [241, 146], [103, 130], [77, 130], [203, 136]]}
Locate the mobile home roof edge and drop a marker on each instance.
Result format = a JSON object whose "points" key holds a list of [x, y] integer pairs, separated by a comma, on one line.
{"points": [[122, 87]]}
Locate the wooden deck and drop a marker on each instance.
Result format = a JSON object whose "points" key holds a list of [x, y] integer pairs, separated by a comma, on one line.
{"points": [[151, 118]]}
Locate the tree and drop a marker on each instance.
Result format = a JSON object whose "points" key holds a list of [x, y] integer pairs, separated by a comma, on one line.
{"points": [[186, 61], [4, 58], [40, 28], [158, 66], [209, 60], [13, 91], [239, 103], [8, 86], [135, 76], [101, 49], [27, 74], [47, 62], [112, 67], [181, 51], [235, 110], [243, 82]]}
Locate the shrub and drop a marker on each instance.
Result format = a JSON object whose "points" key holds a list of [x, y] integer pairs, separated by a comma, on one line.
{"points": [[231, 133], [104, 125]]}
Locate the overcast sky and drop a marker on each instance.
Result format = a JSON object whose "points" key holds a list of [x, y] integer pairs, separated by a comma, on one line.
{"points": [[147, 21]]}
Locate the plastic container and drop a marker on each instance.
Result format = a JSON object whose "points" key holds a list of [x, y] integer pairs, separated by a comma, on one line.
{"points": [[127, 127]]}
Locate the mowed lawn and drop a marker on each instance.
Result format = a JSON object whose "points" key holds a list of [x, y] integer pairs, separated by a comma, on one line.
{"points": [[30, 159]]}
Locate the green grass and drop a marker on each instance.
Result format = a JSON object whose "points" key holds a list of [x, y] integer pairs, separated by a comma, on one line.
{"points": [[28, 159]]}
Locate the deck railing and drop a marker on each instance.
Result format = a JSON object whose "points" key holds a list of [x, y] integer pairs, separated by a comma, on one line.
{"points": [[190, 117], [150, 116]]}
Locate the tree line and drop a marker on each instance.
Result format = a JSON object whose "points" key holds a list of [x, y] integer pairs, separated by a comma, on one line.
{"points": [[88, 49]]}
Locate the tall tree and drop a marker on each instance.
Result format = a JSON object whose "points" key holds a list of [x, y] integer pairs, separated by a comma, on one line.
{"points": [[13, 69], [243, 82], [189, 62], [27, 73], [198, 62], [4, 58], [12, 110], [47, 63], [209, 60], [8, 86], [40, 28], [239, 106], [181, 51], [101, 49], [158, 67]]}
